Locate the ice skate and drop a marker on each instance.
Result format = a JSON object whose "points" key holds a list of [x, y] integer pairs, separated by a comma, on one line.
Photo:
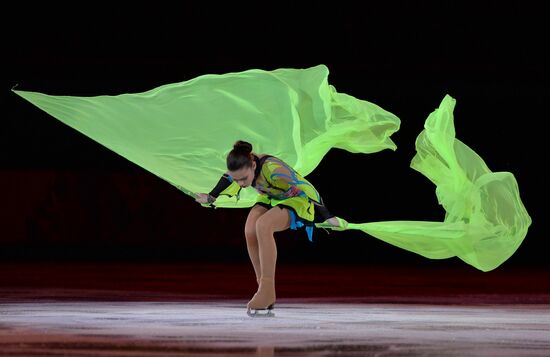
{"points": [[263, 302], [267, 312]]}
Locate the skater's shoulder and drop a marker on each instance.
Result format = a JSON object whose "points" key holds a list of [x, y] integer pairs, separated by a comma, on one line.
{"points": [[271, 159]]}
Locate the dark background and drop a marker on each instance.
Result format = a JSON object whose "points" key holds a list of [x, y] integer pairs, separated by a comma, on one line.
{"points": [[65, 197]]}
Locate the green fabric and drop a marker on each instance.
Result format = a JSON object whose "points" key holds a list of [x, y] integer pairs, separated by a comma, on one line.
{"points": [[485, 219], [182, 133]]}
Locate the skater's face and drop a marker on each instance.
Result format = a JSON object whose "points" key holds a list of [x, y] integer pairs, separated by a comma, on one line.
{"points": [[244, 176]]}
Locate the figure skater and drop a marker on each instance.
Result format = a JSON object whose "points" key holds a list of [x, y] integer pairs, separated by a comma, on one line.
{"points": [[286, 200]]}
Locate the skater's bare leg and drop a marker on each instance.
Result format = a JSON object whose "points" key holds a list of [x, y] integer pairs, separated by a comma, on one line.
{"points": [[275, 220], [252, 239]]}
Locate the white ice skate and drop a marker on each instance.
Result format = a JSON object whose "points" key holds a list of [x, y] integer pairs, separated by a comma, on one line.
{"points": [[266, 312]]}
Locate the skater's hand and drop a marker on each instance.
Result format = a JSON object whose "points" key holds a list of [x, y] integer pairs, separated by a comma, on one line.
{"points": [[334, 223], [204, 198]]}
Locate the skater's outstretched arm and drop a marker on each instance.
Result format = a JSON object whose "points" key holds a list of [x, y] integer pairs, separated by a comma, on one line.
{"points": [[224, 182]]}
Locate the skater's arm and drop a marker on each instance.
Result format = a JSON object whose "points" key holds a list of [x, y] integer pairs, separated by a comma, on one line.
{"points": [[224, 182]]}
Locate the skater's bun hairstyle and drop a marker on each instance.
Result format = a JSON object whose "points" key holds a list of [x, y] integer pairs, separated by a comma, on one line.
{"points": [[240, 156]]}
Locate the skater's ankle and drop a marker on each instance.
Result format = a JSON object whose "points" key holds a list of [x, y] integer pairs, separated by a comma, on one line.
{"points": [[267, 279]]}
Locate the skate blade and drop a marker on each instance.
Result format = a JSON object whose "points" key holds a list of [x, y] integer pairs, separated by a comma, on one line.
{"points": [[268, 312]]}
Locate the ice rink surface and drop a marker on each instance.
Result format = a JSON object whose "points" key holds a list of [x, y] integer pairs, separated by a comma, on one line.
{"points": [[304, 328], [118, 310]]}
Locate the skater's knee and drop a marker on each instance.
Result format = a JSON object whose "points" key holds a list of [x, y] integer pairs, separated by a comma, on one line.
{"points": [[264, 226], [250, 232], [276, 220], [250, 226]]}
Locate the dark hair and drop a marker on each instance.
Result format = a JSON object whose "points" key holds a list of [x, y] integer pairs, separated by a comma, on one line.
{"points": [[240, 156]]}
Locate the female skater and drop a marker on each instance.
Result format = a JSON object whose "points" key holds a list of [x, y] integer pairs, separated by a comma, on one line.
{"points": [[286, 200]]}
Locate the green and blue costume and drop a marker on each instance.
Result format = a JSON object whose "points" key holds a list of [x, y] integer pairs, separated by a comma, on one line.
{"points": [[280, 185]]}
